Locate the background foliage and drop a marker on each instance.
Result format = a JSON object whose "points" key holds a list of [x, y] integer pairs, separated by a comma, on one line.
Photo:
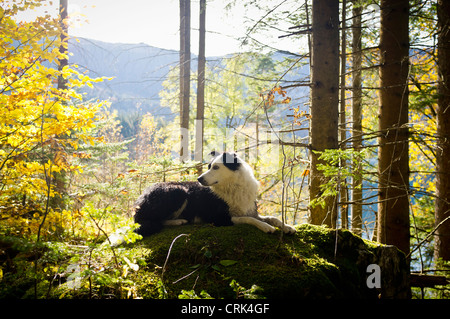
{"points": [[71, 167]]}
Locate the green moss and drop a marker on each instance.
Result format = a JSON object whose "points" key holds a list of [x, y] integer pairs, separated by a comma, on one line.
{"points": [[198, 261], [308, 264]]}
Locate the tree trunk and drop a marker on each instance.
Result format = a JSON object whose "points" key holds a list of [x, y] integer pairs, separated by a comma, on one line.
{"points": [[393, 207], [62, 83], [342, 118], [324, 100], [357, 118], [59, 178], [185, 70], [200, 85], [442, 204]]}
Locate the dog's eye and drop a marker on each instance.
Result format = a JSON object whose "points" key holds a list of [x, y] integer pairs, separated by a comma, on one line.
{"points": [[215, 167]]}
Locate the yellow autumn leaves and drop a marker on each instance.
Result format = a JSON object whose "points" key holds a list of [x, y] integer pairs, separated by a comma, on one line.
{"points": [[40, 125]]}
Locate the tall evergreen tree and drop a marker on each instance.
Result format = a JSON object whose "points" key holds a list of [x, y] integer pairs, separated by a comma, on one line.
{"points": [[185, 69], [342, 115], [356, 219], [393, 157], [324, 101], [442, 204], [200, 85]]}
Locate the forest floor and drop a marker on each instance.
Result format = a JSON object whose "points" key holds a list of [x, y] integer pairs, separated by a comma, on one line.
{"points": [[243, 262], [203, 261]]}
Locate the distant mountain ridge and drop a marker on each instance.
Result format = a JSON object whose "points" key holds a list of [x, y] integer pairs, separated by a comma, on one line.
{"points": [[138, 71]]}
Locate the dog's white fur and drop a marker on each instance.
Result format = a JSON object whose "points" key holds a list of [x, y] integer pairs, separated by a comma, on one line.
{"points": [[239, 189]]}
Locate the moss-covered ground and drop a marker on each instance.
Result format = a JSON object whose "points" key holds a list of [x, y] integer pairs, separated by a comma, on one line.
{"points": [[243, 262], [193, 261]]}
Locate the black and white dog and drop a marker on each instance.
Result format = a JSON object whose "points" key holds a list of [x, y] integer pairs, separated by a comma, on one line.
{"points": [[224, 195]]}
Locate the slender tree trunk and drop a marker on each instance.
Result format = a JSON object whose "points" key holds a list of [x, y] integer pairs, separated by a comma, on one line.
{"points": [[342, 117], [59, 178], [185, 70], [393, 209], [357, 118], [442, 204], [324, 100], [200, 85], [62, 83]]}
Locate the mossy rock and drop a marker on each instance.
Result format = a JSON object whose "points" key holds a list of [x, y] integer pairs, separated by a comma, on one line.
{"points": [[243, 262]]}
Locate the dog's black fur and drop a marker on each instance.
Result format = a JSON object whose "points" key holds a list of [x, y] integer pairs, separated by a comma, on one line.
{"points": [[159, 202], [190, 201]]}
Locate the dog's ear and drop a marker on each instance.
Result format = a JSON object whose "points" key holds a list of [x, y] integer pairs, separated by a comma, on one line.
{"points": [[214, 154], [231, 161]]}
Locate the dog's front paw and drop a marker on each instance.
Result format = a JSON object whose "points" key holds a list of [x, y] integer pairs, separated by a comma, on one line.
{"points": [[181, 222], [287, 229], [175, 222], [268, 228]]}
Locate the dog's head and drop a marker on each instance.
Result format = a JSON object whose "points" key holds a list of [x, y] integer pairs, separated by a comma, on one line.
{"points": [[221, 169]]}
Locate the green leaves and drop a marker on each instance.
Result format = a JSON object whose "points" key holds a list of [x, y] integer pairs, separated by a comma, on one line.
{"points": [[337, 165], [227, 262]]}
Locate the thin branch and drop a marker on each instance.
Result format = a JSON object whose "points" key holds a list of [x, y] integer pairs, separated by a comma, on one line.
{"points": [[429, 235]]}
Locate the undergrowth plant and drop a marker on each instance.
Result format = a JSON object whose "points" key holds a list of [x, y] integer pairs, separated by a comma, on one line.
{"points": [[337, 166]]}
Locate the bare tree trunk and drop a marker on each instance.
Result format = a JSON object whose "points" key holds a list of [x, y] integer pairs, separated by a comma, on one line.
{"points": [[62, 83], [185, 70], [357, 118], [200, 86], [324, 100], [59, 178], [342, 118], [393, 169], [442, 204]]}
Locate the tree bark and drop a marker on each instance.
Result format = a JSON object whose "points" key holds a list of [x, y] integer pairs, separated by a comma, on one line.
{"points": [[63, 8], [59, 178], [356, 219], [200, 85], [442, 204], [343, 118], [420, 280], [185, 70], [393, 209], [324, 101]]}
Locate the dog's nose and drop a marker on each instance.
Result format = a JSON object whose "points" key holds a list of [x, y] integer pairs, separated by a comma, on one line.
{"points": [[201, 180]]}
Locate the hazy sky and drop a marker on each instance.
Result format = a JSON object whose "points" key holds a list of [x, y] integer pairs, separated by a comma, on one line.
{"points": [[154, 22]]}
